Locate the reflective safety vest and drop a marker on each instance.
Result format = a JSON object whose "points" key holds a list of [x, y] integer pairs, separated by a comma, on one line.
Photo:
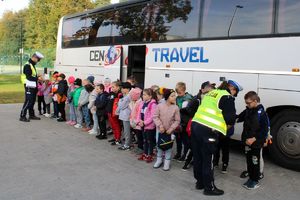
{"points": [[209, 114], [33, 73]]}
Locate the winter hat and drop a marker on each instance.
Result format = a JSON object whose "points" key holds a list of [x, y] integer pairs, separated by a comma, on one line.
{"points": [[91, 79], [167, 93], [107, 81], [78, 82], [71, 79], [135, 94]]}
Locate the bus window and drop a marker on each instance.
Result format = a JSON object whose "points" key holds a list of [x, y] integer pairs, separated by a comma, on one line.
{"points": [[175, 19], [289, 16], [237, 17], [75, 32]]}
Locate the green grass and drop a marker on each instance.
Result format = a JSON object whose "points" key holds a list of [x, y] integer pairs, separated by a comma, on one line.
{"points": [[11, 89]]}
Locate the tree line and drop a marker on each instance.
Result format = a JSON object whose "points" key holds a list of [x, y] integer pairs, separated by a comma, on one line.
{"points": [[35, 27]]}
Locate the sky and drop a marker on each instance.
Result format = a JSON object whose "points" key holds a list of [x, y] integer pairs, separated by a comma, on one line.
{"points": [[13, 5]]}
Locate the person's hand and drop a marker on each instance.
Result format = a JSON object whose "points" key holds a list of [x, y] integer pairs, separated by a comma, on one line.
{"points": [[161, 129], [168, 132], [250, 141], [141, 123]]}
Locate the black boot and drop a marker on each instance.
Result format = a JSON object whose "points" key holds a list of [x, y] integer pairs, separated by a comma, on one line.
{"points": [[199, 186], [34, 118], [101, 137], [24, 119]]}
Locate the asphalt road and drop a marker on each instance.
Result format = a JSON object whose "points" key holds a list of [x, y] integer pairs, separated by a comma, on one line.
{"points": [[47, 160]]}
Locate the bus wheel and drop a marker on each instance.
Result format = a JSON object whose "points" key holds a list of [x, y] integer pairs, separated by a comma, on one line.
{"points": [[285, 129]]}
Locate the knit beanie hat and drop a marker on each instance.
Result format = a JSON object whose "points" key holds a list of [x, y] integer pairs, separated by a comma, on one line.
{"points": [[135, 94], [91, 79], [71, 79], [167, 93]]}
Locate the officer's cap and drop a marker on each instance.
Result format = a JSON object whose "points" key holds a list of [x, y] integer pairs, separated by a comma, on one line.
{"points": [[235, 84], [38, 55]]}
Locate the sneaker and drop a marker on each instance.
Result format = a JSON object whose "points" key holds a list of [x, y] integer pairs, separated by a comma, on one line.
{"points": [[244, 174], [77, 126], [224, 168], [199, 186], [73, 123], [101, 137], [112, 140], [34, 117], [181, 159], [116, 143], [261, 176], [149, 159], [142, 157], [61, 120], [124, 148], [87, 129], [92, 132], [246, 183], [68, 122], [47, 115], [185, 168], [176, 157], [214, 192], [252, 185]]}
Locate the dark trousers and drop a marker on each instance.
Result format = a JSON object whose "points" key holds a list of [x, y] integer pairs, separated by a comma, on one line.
{"points": [[30, 97], [41, 103], [55, 108], [61, 110], [189, 156], [253, 167], [182, 139], [140, 139], [204, 145], [102, 124], [149, 137], [224, 146]]}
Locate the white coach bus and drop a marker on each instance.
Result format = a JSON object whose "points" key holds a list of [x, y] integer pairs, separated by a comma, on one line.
{"points": [[161, 42]]}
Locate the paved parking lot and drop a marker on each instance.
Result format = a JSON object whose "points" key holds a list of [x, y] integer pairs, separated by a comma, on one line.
{"points": [[44, 160]]}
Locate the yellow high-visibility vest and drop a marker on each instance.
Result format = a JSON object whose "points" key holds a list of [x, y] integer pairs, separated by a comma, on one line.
{"points": [[33, 73], [209, 114]]}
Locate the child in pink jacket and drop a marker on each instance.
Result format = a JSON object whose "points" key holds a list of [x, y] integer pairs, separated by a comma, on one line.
{"points": [[145, 120], [135, 104]]}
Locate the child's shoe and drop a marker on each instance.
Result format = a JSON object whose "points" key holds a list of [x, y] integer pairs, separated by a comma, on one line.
{"points": [[166, 165], [77, 126], [149, 159], [142, 157], [68, 122], [73, 123], [87, 129], [158, 162]]}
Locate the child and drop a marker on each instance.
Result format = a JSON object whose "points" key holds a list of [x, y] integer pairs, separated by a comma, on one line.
{"points": [[159, 93], [47, 94], [54, 96], [107, 85], [135, 95], [83, 105], [72, 113], [255, 132], [181, 136], [112, 105], [41, 96], [124, 114], [93, 109], [101, 103], [61, 93], [75, 98], [167, 119], [145, 120]]}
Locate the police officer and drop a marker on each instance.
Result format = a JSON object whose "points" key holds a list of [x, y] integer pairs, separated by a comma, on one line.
{"points": [[29, 79], [215, 115]]}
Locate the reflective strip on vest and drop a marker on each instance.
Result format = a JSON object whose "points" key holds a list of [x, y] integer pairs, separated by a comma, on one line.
{"points": [[209, 114], [33, 73]]}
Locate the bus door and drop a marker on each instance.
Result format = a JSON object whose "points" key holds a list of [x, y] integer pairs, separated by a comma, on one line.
{"points": [[136, 63]]}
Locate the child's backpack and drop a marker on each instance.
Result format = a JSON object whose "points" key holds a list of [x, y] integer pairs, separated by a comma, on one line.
{"points": [[267, 135]]}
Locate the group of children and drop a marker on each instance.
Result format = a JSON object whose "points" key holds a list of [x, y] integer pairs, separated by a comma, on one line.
{"points": [[147, 121]]}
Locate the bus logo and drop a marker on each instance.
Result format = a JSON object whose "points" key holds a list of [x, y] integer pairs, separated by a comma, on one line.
{"points": [[113, 54]]}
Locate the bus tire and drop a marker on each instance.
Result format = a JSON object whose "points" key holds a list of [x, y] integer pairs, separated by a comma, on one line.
{"points": [[285, 149]]}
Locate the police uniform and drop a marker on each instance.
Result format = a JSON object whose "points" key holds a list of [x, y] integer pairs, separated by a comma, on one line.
{"points": [[217, 110], [29, 79]]}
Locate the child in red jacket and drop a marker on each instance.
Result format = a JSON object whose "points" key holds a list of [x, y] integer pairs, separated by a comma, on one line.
{"points": [[114, 97]]}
